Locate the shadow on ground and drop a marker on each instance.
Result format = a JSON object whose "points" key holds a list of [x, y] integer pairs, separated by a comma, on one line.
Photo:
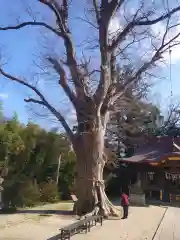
{"points": [[44, 212], [37, 211], [57, 237]]}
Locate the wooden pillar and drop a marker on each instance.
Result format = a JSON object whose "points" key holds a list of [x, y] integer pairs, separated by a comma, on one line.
{"points": [[170, 197], [161, 195]]}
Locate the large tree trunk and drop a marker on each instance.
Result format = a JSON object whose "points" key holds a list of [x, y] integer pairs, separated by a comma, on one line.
{"points": [[90, 188]]}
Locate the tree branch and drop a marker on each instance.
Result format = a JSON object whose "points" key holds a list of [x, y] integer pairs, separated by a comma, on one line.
{"points": [[116, 92], [43, 101], [104, 82], [63, 80], [95, 4], [106, 13], [61, 13], [29, 23], [114, 5], [32, 100], [121, 37], [161, 18]]}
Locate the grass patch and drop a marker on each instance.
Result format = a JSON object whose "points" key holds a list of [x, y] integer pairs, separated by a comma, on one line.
{"points": [[45, 215]]}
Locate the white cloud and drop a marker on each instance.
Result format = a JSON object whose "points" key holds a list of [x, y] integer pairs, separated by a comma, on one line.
{"points": [[158, 30], [114, 27], [4, 95], [72, 115], [132, 11], [175, 55]]}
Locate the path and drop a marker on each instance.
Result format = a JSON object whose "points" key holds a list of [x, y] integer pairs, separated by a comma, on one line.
{"points": [[34, 224], [141, 225], [169, 228]]}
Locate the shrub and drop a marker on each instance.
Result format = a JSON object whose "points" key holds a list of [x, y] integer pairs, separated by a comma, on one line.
{"points": [[28, 194], [66, 178], [49, 192], [8, 194]]}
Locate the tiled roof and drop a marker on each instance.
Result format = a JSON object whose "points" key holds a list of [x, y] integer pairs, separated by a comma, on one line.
{"points": [[154, 149]]}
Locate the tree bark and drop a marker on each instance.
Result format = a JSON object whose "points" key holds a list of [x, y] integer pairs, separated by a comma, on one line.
{"points": [[58, 167], [90, 188]]}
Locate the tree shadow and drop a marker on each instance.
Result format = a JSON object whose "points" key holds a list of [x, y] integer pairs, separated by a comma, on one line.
{"points": [[9, 210], [45, 212], [56, 237], [37, 211]]}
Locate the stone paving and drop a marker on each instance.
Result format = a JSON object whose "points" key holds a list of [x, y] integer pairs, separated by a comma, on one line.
{"points": [[170, 225], [144, 223], [141, 225]]}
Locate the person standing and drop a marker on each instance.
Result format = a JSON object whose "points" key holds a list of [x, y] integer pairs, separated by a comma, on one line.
{"points": [[125, 204]]}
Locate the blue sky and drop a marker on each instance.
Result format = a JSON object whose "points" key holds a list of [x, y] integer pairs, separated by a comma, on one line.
{"points": [[19, 47]]}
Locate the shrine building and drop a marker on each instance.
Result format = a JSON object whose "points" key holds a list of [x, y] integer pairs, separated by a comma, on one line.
{"points": [[156, 164]]}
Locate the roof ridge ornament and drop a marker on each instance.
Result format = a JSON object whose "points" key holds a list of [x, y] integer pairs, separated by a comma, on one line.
{"points": [[176, 146]]}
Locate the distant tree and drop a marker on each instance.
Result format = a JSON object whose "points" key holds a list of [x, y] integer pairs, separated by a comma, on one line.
{"points": [[11, 141], [171, 126], [67, 175], [133, 119], [30, 154], [1, 112]]}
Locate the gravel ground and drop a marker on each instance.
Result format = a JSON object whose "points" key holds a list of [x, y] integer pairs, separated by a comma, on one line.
{"points": [[141, 224]]}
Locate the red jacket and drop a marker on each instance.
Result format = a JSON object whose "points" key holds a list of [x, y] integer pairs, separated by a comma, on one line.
{"points": [[124, 200]]}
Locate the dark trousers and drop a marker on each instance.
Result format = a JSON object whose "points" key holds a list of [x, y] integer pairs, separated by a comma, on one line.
{"points": [[125, 210]]}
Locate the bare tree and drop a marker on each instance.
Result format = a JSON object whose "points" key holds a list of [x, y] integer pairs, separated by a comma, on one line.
{"points": [[173, 117], [93, 107], [127, 120], [171, 122]]}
